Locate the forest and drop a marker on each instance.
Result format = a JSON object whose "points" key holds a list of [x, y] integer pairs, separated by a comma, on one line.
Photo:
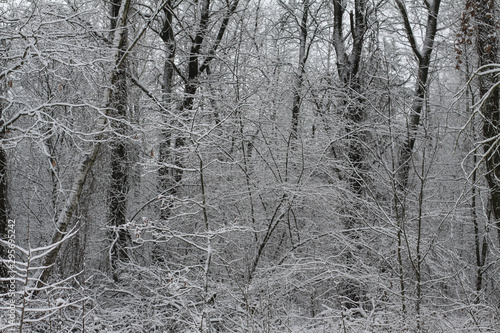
{"points": [[304, 166]]}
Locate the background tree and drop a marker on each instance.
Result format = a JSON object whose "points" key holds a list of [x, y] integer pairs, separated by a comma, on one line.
{"points": [[477, 32], [487, 49], [119, 150]]}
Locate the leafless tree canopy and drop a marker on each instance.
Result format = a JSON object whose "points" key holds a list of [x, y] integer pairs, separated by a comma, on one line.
{"points": [[249, 166]]}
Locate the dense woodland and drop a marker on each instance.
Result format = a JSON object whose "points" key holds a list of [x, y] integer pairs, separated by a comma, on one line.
{"points": [[250, 166]]}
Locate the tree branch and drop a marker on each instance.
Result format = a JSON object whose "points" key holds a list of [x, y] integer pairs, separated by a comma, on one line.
{"points": [[408, 29]]}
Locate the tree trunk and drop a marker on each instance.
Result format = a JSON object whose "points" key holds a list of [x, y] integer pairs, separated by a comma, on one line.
{"points": [[299, 76], [169, 178], [89, 159], [480, 243], [119, 159], [348, 68], [487, 49], [406, 151], [424, 58]]}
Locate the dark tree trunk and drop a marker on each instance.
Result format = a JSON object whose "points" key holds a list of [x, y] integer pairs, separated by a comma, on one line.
{"points": [[348, 65], [169, 178], [424, 58], [348, 68], [119, 159], [480, 242], [299, 76], [487, 49]]}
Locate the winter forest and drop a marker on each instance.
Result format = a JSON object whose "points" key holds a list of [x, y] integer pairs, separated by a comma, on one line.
{"points": [[306, 166]]}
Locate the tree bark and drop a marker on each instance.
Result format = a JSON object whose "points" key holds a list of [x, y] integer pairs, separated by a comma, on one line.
{"points": [[169, 178], [480, 242], [301, 68], [119, 159], [348, 68], [348, 65], [487, 49]]}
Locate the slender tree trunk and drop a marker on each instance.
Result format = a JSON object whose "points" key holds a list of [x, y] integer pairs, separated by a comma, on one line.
{"points": [[424, 59], [119, 159], [480, 245], [418, 250], [169, 178], [301, 68], [399, 211], [487, 49]]}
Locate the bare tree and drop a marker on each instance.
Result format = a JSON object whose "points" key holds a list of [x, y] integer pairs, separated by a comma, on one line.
{"points": [[348, 66], [304, 47], [423, 57], [169, 178], [487, 50], [198, 63], [268, 222], [119, 149], [88, 160]]}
